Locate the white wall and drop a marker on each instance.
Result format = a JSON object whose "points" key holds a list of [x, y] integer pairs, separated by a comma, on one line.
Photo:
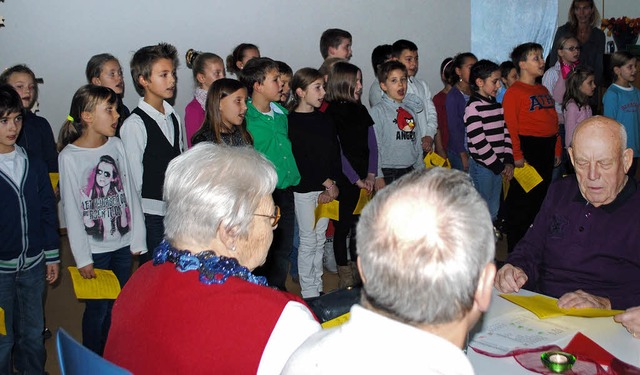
{"points": [[56, 38]]}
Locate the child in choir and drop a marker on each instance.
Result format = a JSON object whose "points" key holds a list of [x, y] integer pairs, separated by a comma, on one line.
{"points": [[239, 57], [29, 256], [36, 136], [101, 206], [508, 75], [406, 52], [554, 79], [152, 135], [207, 68], [267, 123], [491, 157], [622, 101], [357, 140], [439, 101], [530, 114], [225, 120], [399, 149], [456, 103], [335, 43], [315, 148], [105, 70], [285, 76], [575, 103], [379, 55]]}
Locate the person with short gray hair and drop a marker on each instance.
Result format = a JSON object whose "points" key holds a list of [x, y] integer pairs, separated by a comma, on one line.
{"points": [[200, 300], [426, 249]]}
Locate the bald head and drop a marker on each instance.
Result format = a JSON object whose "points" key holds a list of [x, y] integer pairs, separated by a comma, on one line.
{"points": [[617, 133], [601, 159]]}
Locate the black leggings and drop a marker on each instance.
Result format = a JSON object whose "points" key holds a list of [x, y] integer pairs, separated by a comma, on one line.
{"points": [[348, 198]]}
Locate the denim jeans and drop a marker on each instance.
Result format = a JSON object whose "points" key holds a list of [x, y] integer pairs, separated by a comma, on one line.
{"points": [[488, 185], [97, 314], [312, 238], [154, 225], [21, 296]]}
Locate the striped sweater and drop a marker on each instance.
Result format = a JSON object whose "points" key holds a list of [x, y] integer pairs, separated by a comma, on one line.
{"points": [[487, 136]]}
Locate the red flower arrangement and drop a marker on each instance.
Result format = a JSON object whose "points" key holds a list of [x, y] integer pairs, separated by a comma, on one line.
{"points": [[623, 26]]}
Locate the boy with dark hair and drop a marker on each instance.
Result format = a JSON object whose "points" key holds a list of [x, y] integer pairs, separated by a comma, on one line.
{"points": [[267, 123], [152, 135], [29, 232], [335, 43], [399, 150], [530, 115], [406, 52]]}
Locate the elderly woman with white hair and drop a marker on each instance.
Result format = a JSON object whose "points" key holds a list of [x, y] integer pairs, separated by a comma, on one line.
{"points": [[198, 308]]}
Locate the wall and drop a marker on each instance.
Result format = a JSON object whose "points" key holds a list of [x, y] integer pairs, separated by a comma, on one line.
{"points": [[56, 38]]}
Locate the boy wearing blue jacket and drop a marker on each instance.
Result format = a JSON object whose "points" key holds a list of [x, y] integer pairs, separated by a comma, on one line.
{"points": [[29, 246]]}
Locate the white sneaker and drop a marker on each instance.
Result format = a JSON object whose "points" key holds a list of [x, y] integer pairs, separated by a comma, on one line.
{"points": [[329, 259]]}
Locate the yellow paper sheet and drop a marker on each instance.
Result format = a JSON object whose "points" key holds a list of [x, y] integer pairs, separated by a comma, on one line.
{"points": [[104, 286], [330, 210], [505, 188], [547, 307], [434, 160], [527, 177], [336, 321], [54, 177], [3, 326], [365, 197]]}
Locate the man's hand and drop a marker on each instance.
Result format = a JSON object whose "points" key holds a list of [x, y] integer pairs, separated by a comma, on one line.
{"points": [[630, 319], [582, 300], [53, 270], [87, 271], [510, 279]]}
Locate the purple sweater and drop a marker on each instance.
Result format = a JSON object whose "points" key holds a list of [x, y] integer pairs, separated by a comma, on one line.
{"points": [[573, 245], [487, 135]]}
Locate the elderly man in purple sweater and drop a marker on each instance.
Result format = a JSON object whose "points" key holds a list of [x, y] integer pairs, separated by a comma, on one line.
{"points": [[584, 245]]}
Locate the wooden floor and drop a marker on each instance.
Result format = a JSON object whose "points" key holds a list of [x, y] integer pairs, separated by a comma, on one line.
{"points": [[62, 309]]}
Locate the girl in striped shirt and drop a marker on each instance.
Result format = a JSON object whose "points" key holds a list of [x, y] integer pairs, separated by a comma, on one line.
{"points": [[488, 140]]}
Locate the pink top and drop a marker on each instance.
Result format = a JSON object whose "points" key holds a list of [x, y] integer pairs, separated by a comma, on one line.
{"points": [[572, 117], [193, 119]]}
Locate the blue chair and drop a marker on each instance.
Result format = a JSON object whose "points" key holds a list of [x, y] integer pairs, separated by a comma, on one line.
{"points": [[75, 359]]}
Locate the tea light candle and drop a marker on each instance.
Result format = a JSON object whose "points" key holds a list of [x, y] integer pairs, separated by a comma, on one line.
{"points": [[558, 358], [558, 362]]}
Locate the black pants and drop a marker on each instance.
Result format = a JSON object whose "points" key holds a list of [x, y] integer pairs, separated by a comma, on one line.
{"points": [[348, 198], [523, 207], [277, 265], [154, 225], [392, 174]]}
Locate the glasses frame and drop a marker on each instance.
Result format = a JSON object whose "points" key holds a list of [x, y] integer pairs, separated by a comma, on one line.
{"points": [[275, 217]]}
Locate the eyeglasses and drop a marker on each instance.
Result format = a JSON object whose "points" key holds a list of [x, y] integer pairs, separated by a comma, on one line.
{"points": [[572, 48], [275, 217]]}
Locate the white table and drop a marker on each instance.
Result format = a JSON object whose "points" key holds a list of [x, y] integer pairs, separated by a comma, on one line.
{"points": [[610, 335]]}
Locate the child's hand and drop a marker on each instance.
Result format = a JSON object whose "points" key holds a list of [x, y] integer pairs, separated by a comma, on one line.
{"points": [[557, 160], [370, 181], [507, 172], [53, 270], [427, 144], [324, 197], [465, 161], [380, 184], [519, 163], [87, 271]]}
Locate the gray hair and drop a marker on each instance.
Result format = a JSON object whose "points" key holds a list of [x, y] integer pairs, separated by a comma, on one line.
{"points": [[212, 185], [423, 243]]}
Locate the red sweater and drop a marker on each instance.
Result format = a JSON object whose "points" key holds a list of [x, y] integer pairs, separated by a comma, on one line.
{"points": [[168, 322], [530, 110]]}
